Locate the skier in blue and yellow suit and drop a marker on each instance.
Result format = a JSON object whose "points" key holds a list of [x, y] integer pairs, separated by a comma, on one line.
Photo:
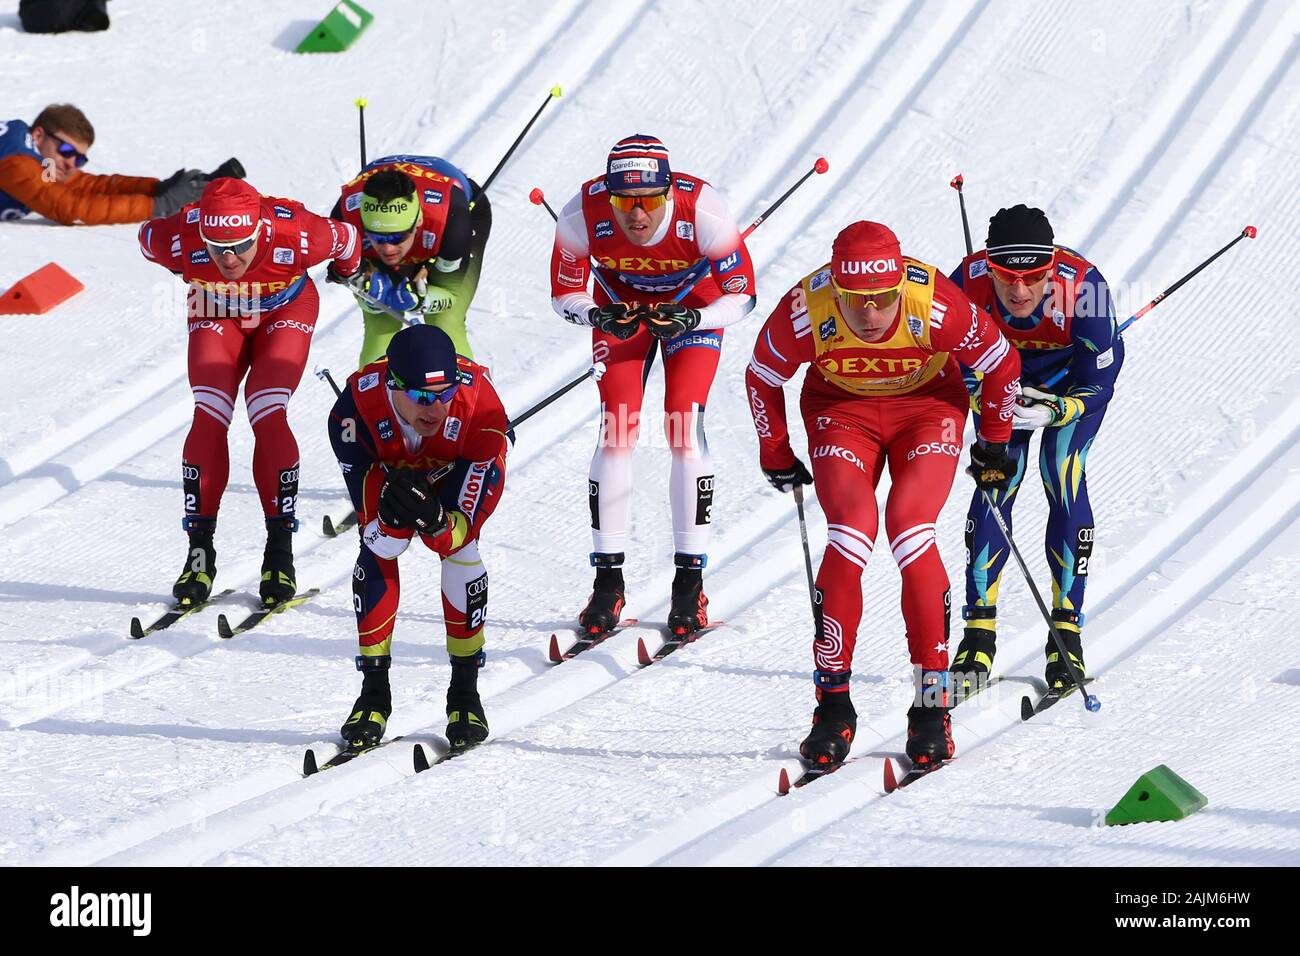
{"points": [[1056, 309]]}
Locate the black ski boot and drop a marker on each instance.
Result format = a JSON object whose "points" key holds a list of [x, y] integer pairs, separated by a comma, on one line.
{"points": [[929, 726], [833, 726], [278, 584], [194, 586], [689, 609], [1057, 673], [607, 596], [466, 723], [365, 728], [974, 660]]}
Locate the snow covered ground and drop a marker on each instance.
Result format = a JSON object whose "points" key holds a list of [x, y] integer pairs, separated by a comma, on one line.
{"points": [[1152, 134]]}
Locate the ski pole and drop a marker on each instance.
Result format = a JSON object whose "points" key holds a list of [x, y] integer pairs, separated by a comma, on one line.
{"points": [[1248, 233], [807, 555], [538, 198], [595, 372], [361, 119], [555, 93], [324, 375], [374, 303], [1090, 701], [956, 184], [818, 167]]}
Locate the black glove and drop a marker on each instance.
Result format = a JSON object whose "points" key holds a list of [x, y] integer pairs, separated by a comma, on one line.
{"points": [[614, 319], [785, 479], [409, 500], [163, 185], [177, 191], [668, 319], [990, 465], [231, 167], [332, 274]]}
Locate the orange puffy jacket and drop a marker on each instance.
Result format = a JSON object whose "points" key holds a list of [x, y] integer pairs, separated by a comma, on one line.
{"points": [[86, 198]]}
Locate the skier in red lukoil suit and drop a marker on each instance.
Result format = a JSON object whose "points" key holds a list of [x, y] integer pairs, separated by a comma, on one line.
{"points": [[251, 309], [883, 333], [672, 272], [421, 437]]}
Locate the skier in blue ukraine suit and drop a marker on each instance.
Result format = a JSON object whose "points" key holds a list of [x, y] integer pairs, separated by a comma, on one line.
{"points": [[1055, 307]]}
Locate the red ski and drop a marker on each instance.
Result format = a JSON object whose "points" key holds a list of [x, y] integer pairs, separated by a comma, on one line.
{"points": [[911, 773], [676, 639], [587, 640]]}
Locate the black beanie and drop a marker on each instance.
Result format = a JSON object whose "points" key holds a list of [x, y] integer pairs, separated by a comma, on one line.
{"points": [[1020, 238]]}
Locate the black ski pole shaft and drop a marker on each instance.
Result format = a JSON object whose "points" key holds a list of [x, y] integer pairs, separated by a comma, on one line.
{"points": [[325, 375], [1248, 233], [596, 371], [538, 198], [555, 93], [362, 103], [956, 184], [807, 554], [1090, 701], [818, 167]]}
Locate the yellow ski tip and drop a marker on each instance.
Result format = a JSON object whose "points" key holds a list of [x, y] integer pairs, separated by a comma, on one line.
{"points": [[362, 102], [556, 91]]}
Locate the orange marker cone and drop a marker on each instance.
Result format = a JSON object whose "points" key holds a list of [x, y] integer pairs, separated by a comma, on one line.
{"points": [[44, 290]]}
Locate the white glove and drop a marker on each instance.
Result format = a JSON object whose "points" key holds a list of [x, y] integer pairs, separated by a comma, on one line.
{"points": [[432, 298], [1039, 409]]}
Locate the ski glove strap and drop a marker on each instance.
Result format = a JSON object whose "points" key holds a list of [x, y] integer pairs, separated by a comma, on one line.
{"points": [[828, 680]]}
